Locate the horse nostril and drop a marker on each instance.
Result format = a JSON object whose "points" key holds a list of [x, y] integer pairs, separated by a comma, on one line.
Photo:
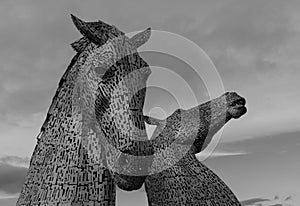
{"points": [[242, 101]]}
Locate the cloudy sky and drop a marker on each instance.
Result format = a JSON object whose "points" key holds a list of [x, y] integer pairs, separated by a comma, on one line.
{"points": [[254, 44]]}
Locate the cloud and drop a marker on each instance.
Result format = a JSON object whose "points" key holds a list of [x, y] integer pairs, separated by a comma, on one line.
{"points": [[277, 201], [251, 26], [266, 145], [8, 201], [11, 179], [235, 26], [288, 198], [13, 170], [220, 153], [15, 161], [253, 201]]}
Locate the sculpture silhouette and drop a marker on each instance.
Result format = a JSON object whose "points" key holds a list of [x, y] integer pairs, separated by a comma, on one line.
{"points": [[178, 177], [95, 115], [94, 122]]}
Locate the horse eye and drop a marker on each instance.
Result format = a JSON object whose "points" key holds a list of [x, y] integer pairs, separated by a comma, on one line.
{"points": [[100, 70]]}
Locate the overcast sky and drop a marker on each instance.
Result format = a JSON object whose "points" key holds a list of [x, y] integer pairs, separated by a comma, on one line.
{"points": [[254, 44]]}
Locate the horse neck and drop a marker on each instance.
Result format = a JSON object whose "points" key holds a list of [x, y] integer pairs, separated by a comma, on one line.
{"points": [[66, 128]]}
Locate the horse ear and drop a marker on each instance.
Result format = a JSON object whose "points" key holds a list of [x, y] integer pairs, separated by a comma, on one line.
{"points": [[94, 34], [141, 38]]}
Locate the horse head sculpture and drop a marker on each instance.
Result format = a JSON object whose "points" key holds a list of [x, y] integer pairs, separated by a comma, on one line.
{"points": [[95, 115]]}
